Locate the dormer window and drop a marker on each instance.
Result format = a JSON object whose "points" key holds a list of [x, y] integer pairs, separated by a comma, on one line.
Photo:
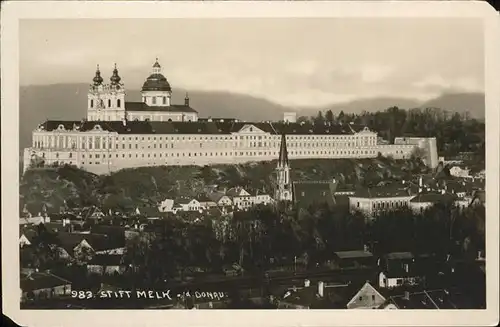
{"points": [[97, 128], [60, 127]]}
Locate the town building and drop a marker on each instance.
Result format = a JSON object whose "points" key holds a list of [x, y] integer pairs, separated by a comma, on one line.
{"points": [[43, 285], [117, 134]]}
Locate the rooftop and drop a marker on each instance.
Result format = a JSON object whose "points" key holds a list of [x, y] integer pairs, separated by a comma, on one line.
{"points": [[39, 280], [354, 254], [198, 127]]}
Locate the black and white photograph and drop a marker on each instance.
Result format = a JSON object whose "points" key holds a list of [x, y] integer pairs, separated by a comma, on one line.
{"points": [[251, 162]]}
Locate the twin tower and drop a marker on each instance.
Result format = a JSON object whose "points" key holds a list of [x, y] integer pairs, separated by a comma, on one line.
{"points": [[106, 101]]}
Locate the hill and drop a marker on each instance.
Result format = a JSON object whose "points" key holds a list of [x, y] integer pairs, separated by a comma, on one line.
{"points": [[474, 103], [130, 188]]}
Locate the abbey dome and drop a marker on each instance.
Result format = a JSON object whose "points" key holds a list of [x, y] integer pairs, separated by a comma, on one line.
{"points": [[156, 81]]}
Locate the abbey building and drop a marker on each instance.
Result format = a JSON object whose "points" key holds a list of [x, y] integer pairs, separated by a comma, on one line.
{"points": [[118, 134]]}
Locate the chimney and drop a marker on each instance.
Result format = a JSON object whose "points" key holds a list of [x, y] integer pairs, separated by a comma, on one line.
{"points": [[321, 288], [406, 295], [307, 283]]}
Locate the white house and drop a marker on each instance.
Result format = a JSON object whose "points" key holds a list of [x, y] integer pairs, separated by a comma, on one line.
{"points": [[262, 198], [366, 298], [23, 240], [380, 198], [457, 171], [166, 205], [221, 199], [189, 205]]}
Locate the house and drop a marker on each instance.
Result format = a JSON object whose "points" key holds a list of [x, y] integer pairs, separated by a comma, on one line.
{"points": [[366, 298], [106, 264], [166, 205], [27, 236], [23, 240], [261, 198], [459, 188], [189, 204], [92, 212], [324, 296], [382, 197], [398, 269], [353, 259], [478, 198], [307, 193], [220, 198], [232, 270], [38, 285], [240, 198], [148, 212], [34, 220], [423, 201], [429, 299], [206, 202], [457, 171], [86, 245]]}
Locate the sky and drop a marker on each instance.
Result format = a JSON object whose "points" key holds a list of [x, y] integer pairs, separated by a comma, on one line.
{"points": [[291, 61]]}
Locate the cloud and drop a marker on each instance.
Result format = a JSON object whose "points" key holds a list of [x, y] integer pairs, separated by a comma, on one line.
{"points": [[438, 84], [376, 73]]}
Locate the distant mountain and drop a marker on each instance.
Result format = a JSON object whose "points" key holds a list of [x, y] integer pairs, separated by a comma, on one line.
{"points": [[69, 102], [474, 103]]}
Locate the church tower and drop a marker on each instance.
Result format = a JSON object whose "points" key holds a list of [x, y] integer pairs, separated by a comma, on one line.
{"points": [[156, 91], [284, 184], [106, 102]]}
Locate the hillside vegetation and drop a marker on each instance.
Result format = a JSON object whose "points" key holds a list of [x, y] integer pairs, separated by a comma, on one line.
{"points": [[129, 188]]}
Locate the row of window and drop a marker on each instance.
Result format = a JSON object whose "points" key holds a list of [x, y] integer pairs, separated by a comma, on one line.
{"points": [[212, 138], [101, 103], [153, 100], [103, 143], [211, 154], [216, 154]]}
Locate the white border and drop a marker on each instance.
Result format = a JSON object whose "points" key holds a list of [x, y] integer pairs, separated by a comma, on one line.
{"points": [[13, 11]]}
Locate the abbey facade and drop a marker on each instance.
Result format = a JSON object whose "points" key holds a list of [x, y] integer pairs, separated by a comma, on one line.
{"points": [[118, 134]]}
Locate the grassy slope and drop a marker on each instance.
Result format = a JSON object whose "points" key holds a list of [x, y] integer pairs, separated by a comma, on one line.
{"points": [[149, 185]]}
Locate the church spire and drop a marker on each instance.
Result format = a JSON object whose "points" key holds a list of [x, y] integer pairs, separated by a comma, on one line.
{"points": [[97, 78], [115, 78], [284, 184], [283, 157]]}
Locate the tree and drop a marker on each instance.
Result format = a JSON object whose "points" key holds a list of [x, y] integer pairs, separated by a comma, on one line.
{"points": [[329, 116], [302, 119]]}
